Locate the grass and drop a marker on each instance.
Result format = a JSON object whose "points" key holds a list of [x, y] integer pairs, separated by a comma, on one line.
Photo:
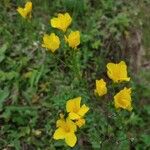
{"points": [[35, 84]]}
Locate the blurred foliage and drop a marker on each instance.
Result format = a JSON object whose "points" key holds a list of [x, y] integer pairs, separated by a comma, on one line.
{"points": [[34, 84]]}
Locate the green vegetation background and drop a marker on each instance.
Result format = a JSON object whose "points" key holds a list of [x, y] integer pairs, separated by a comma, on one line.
{"points": [[34, 84]]}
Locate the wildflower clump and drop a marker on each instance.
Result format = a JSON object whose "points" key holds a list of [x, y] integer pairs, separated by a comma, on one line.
{"points": [[26, 11], [66, 128], [118, 73], [61, 22]]}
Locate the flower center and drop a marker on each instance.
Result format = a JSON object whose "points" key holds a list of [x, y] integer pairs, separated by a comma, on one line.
{"points": [[67, 129], [75, 110]]}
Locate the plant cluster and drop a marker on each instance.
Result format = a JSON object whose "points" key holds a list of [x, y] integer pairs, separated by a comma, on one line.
{"points": [[50, 61], [117, 72]]}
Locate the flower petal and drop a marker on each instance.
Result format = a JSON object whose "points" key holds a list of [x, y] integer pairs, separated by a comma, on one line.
{"points": [[71, 139], [83, 110], [80, 122], [22, 12], [54, 22], [60, 123], [73, 116], [59, 134], [73, 104], [28, 7]]}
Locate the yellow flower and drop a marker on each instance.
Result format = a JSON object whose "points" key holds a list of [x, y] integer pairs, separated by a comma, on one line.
{"points": [[73, 39], [123, 99], [66, 130], [117, 72], [26, 11], [75, 111], [51, 42], [80, 122], [61, 22], [101, 88]]}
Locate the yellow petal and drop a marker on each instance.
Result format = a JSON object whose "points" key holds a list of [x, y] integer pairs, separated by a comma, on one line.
{"points": [[68, 18], [111, 69], [71, 139], [60, 123], [22, 12], [83, 110], [54, 22], [26, 11], [73, 105], [59, 134], [123, 72], [80, 122], [74, 116], [28, 7]]}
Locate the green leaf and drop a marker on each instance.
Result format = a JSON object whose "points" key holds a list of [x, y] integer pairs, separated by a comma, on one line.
{"points": [[8, 75], [123, 145], [2, 51], [134, 119], [36, 75], [17, 145], [146, 139], [24, 131], [3, 95]]}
